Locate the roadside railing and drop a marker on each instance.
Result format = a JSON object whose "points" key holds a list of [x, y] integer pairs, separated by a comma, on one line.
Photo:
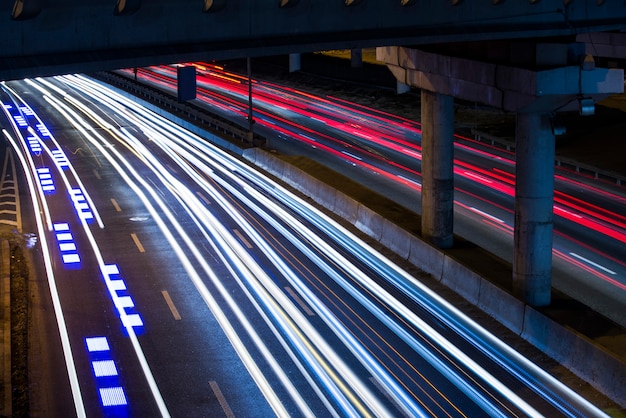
{"points": [[561, 162], [188, 110]]}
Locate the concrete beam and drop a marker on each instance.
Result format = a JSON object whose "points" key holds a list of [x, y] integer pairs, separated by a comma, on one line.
{"points": [[513, 89], [534, 92], [63, 36], [605, 44]]}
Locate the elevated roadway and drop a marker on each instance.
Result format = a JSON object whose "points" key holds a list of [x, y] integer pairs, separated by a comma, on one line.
{"points": [[40, 38]]}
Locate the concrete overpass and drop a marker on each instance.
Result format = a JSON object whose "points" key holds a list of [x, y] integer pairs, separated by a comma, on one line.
{"points": [[45, 37]]}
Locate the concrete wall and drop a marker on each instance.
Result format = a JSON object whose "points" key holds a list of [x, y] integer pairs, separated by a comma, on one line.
{"points": [[600, 368]]}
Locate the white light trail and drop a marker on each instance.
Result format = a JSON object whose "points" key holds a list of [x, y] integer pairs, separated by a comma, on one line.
{"points": [[56, 302], [194, 276], [404, 282]]}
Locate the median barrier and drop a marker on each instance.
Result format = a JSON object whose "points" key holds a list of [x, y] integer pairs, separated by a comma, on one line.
{"points": [[268, 162], [295, 177], [396, 239], [426, 257], [501, 305], [461, 279], [590, 362], [369, 222], [253, 156], [346, 207], [320, 192]]}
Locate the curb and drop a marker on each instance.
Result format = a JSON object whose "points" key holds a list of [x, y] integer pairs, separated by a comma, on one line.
{"points": [[6, 408]]}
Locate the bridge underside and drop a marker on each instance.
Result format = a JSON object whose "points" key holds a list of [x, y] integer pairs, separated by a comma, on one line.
{"points": [[40, 38]]}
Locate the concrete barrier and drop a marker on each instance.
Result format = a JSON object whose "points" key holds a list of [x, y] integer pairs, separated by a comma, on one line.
{"points": [[461, 279], [320, 192], [396, 239], [501, 305], [295, 177], [251, 154], [426, 257], [370, 222], [590, 362], [346, 207]]}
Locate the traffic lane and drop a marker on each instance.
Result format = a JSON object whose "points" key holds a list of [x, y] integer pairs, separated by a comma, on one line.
{"points": [[323, 124], [46, 361], [112, 241], [122, 296], [90, 313], [325, 282], [265, 269], [184, 344]]}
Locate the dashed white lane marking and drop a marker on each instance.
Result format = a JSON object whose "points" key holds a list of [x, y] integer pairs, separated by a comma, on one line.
{"points": [[596, 265], [486, 215]]}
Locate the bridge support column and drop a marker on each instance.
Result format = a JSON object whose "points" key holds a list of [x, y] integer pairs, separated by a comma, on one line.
{"points": [[294, 62], [356, 58], [437, 168], [534, 198]]}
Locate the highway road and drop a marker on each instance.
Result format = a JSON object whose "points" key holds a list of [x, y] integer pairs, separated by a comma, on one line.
{"points": [[383, 151], [186, 283]]}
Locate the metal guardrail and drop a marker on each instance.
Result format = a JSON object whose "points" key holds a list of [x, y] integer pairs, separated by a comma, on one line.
{"points": [[562, 162], [186, 109]]}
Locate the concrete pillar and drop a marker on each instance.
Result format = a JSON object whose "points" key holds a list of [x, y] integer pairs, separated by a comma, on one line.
{"points": [[356, 58], [534, 197], [437, 168], [402, 88], [294, 62]]}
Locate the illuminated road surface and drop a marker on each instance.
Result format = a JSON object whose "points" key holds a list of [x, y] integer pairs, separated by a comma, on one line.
{"points": [[590, 224], [185, 283]]}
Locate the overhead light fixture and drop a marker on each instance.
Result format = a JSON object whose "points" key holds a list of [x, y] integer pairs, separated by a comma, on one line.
{"points": [[126, 7], [25, 9], [213, 5], [287, 3], [588, 64], [558, 128], [586, 106]]}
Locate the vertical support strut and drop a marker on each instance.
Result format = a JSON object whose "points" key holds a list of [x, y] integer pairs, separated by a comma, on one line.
{"points": [[534, 200], [437, 168], [294, 62]]}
